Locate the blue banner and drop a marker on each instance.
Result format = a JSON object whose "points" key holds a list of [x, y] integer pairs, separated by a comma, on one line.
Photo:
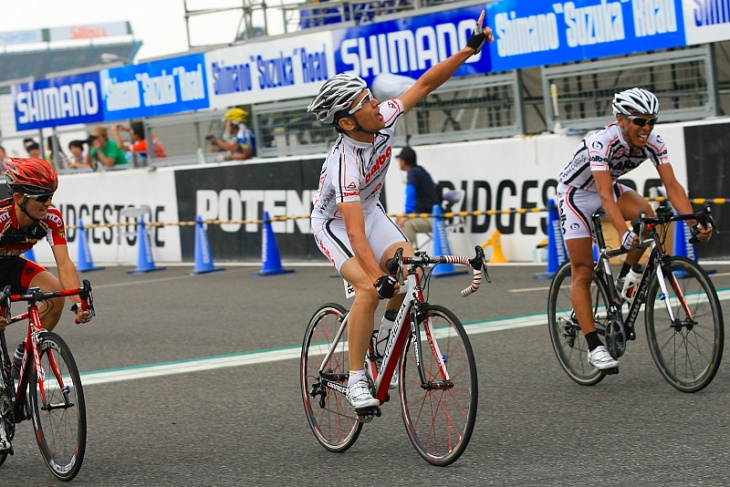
{"points": [[59, 101], [155, 88], [542, 33], [408, 46]]}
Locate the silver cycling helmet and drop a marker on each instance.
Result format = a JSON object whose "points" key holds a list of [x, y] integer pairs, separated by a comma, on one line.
{"points": [[337, 93], [635, 101]]}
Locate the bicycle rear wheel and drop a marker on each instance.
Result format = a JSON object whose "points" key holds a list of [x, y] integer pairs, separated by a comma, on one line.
{"points": [[688, 350], [328, 411], [438, 411], [58, 408], [565, 334]]}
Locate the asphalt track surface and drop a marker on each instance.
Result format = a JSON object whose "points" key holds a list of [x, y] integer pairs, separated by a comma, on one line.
{"points": [[193, 381]]}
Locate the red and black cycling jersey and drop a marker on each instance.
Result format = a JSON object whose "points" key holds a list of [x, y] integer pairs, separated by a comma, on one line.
{"points": [[16, 241]]}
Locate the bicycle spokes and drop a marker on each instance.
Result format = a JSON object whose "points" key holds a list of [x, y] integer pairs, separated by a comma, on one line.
{"points": [[684, 325]]}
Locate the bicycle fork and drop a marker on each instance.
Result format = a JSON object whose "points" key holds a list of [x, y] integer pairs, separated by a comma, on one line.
{"points": [[676, 324]]}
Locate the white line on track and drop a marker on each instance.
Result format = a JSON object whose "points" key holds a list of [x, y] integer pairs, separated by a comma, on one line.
{"points": [[288, 353], [264, 356]]}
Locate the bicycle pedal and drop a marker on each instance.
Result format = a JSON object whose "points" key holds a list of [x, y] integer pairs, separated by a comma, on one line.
{"points": [[365, 415], [611, 371]]}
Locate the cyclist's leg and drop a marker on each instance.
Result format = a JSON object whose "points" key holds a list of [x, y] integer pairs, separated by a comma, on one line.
{"points": [[51, 309], [23, 274], [576, 207], [631, 204], [581, 262], [362, 313]]}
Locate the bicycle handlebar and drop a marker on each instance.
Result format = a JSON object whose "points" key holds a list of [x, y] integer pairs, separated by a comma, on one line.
{"points": [[34, 295], [478, 264], [665, 215]]}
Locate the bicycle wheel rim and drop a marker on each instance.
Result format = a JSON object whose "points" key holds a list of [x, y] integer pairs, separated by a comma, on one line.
{"points": [[331, 416], [59, 412], [439, 420], [687, 353], [568, 341]]}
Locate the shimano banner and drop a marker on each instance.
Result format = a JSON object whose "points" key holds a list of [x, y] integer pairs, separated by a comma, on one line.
{"points": [[408, 46], [541, 33], [279, 69], [156, 88], [59, 101]]}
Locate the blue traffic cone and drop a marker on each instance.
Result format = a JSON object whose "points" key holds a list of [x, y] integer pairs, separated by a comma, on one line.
{"points": [[203, 256], [85, 262], [441, 246], [145, 260], [270, 252], [30, 255], [556, 253], [682, 247]]}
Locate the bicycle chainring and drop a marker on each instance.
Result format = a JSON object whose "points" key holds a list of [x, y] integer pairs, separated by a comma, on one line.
{"points": [[615, 338]]}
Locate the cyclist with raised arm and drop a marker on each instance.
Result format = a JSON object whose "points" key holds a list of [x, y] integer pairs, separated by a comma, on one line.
{"points": [[27, 217], [589, 183], [349, 224]]}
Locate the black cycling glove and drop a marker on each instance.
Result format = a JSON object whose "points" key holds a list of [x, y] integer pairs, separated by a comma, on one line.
{"points": [[477, 39], [385, 285]]}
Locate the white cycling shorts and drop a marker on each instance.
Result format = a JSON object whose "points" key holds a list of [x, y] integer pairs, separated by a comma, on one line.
{"points": [[576, 206], [332, 240]]}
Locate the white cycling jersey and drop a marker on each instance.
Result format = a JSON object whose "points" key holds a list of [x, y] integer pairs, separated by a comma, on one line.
{"points": [[607, 150], [355, 171]]}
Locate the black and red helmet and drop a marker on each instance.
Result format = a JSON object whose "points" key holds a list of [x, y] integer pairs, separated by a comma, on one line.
{"points": [[31, 176]]}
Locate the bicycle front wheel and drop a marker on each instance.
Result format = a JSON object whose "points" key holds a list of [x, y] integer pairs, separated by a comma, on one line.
{"points": [[7, 393], [328, 411], [58, 408], [438, 386], [566, 337], [685, 327]]}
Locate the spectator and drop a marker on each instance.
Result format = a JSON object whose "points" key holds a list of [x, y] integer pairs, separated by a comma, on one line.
{"points": [[27, 142], [3, 159], [421, 195], [60, 160], [239, 141], [103, 150], [33, 149], [139, 141], [77, 160]]}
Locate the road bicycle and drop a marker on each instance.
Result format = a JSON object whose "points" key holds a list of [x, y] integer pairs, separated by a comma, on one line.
{"points": [[682, 313], [436, 376], [49, 390]]}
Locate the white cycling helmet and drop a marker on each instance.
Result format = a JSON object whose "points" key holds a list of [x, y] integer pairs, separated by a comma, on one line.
{"points": [[635, 101], [337, 93]]}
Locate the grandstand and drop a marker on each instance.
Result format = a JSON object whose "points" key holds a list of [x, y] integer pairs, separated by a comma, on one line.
{"points": [[63, 49]]}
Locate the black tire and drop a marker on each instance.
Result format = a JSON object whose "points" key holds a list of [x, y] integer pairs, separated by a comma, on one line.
{"points": [[566, 337], [7, 393], [438, 415], [330, 415], [59, 415], [687, 352]]}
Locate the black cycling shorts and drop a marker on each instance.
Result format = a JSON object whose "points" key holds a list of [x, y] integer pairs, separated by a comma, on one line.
{"points": [[18, 272]]}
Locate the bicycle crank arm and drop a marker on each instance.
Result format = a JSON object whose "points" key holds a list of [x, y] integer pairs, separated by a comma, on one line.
{"points": [[365, 415]]}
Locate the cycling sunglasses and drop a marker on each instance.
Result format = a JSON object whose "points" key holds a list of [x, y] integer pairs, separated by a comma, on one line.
{"points": [[641, 121], [41, 198], [365, 99]]}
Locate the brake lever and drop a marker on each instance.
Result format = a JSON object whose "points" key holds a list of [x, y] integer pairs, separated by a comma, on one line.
{"points": [[479, 262]]}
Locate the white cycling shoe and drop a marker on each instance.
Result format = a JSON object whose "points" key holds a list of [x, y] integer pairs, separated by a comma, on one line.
{"points": [[601, 359], [360, 396]]}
